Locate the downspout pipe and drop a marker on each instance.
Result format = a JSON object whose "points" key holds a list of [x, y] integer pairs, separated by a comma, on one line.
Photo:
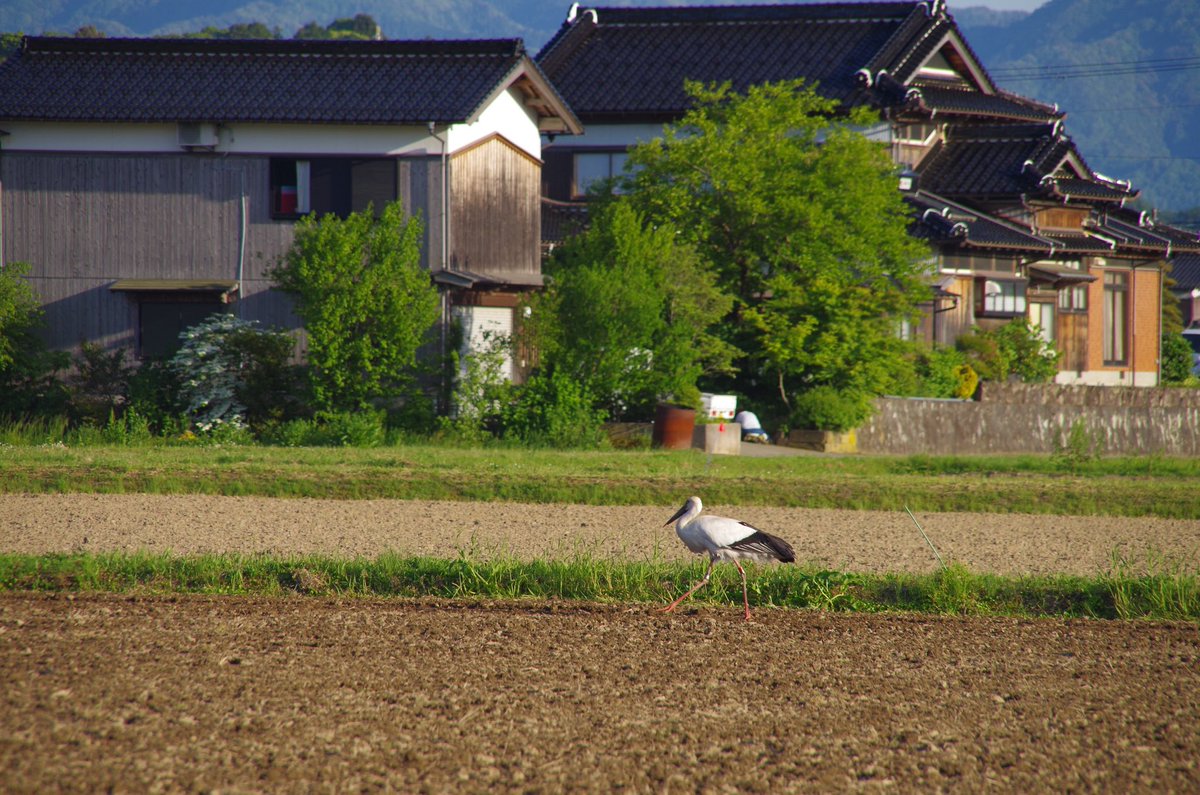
{"points": [[445, 196], [243, 225], [443, 293], [242, 231]]}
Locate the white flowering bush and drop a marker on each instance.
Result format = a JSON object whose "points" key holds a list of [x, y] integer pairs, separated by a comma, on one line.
{"points": [[210, 370]]}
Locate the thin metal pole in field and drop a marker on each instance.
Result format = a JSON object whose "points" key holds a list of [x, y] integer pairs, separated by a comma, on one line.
{"points": [[927, 541]]}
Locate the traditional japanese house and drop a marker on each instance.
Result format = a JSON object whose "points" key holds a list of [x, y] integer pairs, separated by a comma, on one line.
{"points": [[150, 182], [1019, 224]]}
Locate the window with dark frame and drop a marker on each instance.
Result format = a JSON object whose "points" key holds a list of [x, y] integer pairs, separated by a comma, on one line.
{"points": [[595, 166], [290, 195], [1000, 297], [1073, 298], [1041, 315], [324, 185], [1116, 317]]}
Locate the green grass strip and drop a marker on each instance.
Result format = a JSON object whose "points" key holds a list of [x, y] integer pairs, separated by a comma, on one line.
{"points": [[1149, 486], [1159, 591]]}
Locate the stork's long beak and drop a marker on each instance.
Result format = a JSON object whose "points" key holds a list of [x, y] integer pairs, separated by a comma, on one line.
{"points": [[678, 514]]}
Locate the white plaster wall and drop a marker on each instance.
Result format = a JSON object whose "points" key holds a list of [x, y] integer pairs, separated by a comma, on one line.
{"points": [[506, 115], [1114, 378], [233, 138], [610, 135]]}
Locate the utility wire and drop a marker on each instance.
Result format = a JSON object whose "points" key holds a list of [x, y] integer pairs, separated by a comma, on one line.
{"points": [[1049, 71], [1140, 109]]}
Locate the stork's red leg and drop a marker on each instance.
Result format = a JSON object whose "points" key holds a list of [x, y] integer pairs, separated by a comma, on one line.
{"points": [[693, 589], [745, 597]]}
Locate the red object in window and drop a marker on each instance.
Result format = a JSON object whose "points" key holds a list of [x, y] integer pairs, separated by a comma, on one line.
{"points": [[287, 200]]}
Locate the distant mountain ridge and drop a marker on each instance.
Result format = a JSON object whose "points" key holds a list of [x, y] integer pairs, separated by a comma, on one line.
{"points": [[981, 16], [1124, 71], [1137, 119], [411, 19]]}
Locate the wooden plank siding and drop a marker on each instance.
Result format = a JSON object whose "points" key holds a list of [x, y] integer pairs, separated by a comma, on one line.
{"points": [[85, 221], [173, 216], [955, 322], [495, 206], [419, 189], [1072, 336]]}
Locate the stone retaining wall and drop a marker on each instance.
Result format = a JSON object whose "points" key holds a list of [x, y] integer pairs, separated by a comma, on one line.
{"points": [[1034, 418]]}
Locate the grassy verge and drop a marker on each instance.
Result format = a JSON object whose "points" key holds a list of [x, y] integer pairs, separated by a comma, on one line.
{"points": [[1157, 589], [1148, 486]]}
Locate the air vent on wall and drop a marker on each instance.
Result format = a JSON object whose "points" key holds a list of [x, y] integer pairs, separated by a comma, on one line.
{"points": [[195, 135]]}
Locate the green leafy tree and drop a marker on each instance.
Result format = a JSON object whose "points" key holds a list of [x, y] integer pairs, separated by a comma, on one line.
{"points": [[366, 303], [313, 30], [29, 383], [627, 314], [554, 410], [241, 30], [360, 26], [99, 385], [1176, 358], [9, 43], [1172, 312], [232, 372], [1014, 349], [799, 217], [209, 373], [19, 309]]}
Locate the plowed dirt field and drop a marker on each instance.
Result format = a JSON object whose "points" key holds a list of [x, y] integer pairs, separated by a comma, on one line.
{"points": [[105, 693]]}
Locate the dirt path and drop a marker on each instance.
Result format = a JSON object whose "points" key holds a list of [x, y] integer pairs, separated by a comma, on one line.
{"points": [[206, 694], [861, 541]]}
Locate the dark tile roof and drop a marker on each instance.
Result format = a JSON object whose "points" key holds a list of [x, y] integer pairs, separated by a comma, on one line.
{"points": [[150, 80], [1094, 189], [1013, 160], [1134, 229], [1058, 274], [943, 221], [631, 63], [1079, 243], [1185, 270], [1002, 105], [991, 161], [949, 224], [560, 220], [1181, 240]]}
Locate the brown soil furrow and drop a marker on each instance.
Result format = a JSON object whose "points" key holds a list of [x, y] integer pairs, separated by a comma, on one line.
{"points": [[192, 694]]}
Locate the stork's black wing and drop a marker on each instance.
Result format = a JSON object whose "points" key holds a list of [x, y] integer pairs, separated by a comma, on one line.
{"points": [[766, 545]]}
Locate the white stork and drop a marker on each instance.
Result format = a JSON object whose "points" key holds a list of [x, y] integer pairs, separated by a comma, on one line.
{"points": [[724, 539]]}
